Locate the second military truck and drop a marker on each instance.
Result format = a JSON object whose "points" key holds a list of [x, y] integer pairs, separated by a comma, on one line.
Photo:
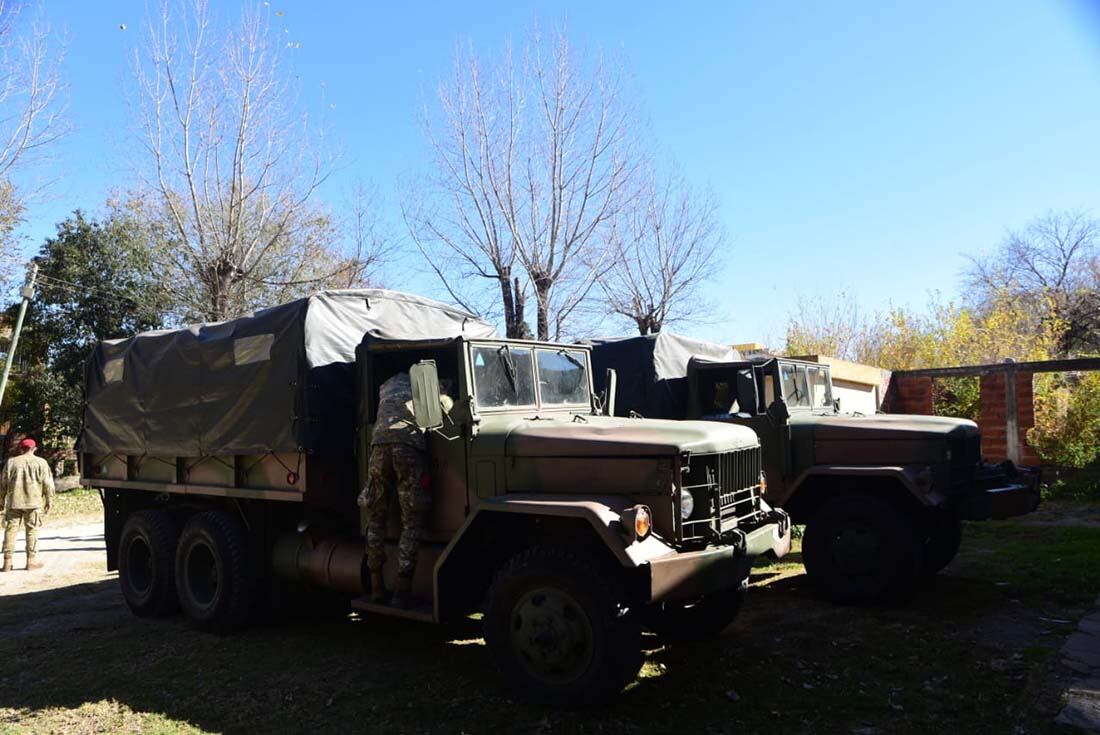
{"points": [[882, 496], [231, 455]]}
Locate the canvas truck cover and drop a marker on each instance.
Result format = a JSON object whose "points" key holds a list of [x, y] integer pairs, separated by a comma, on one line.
{"points": [[652, 371], [280, 380]]}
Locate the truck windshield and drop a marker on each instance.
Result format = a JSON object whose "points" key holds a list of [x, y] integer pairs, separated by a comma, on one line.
{"points": [[821, 392], [795, 390], [503, 376], [563, 377]]}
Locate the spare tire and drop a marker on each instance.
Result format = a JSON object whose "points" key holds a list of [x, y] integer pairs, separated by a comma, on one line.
{"points": [[216, 572]]}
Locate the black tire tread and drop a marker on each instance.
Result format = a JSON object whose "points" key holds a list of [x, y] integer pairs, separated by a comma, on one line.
{"points": [[896, 527], [162, 533], [231, 543], [623, 631]]}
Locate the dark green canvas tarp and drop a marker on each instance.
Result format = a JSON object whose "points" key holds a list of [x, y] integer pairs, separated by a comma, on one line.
{"points": [[280, 380]]}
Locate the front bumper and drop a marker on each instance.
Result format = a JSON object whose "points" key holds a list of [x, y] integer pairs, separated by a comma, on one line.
{"points": [[1007, 501], [689, 574]]}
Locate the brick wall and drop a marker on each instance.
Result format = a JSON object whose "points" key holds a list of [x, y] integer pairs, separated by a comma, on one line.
{"points": [[909, 394], [992, 420]]}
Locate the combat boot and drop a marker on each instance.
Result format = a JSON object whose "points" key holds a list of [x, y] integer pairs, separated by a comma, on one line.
{"points": [[377, 588], [7, 564], [402, 596], [33, 563]]}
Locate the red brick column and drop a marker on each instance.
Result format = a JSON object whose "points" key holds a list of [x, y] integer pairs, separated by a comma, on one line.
{"points": [[1025, 417], [911, 394], [993, 420]]}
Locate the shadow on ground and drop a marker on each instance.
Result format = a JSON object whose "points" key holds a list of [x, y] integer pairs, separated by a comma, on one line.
{"points": [[790, 661]]}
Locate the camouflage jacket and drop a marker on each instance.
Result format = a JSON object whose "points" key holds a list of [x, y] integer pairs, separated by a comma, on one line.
{"points": [[395, 423], [26, 483]]}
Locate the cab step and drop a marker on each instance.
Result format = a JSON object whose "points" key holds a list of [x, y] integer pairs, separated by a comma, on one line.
{"points": [[421, 612]]}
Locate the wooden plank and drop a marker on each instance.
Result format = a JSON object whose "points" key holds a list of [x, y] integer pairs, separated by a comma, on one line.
{"points": [[1041, 366]]}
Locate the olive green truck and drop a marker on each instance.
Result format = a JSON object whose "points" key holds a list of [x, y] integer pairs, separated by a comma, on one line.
{"points": [[230, 457], [882, 496]]}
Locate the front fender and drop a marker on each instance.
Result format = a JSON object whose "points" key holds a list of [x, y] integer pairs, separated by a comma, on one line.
{"points": [[904, 475], [601, 512]]}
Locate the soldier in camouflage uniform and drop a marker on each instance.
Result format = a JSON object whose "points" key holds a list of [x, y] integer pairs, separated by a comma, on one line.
{"points": [[398, 466], [26, 492]]}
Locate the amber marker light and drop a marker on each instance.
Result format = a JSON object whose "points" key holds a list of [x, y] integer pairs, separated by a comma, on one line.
{"points": [[642, 523], [636, 522]]}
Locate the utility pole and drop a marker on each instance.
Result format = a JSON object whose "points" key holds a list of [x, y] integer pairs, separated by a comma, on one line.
{"points": [[27, 292]]}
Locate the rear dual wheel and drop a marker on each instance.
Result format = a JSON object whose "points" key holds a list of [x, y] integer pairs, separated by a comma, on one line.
{"points": [[146, 563], [215, 572]]}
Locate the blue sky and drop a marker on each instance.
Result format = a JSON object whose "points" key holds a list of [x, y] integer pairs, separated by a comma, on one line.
{"points": [[863, 148]]}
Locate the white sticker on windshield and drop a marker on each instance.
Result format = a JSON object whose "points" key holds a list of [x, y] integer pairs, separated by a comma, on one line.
{"points": [[248, 350]]}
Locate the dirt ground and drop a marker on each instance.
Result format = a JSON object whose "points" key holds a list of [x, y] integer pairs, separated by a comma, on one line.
{"points": [[976, 651]]}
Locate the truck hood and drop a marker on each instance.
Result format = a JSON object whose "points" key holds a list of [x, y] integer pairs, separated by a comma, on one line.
{"points": [[882, 426], [606, 436]]}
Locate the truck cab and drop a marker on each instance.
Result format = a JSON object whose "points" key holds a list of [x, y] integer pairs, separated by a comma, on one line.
{"points": [[882, 496]]}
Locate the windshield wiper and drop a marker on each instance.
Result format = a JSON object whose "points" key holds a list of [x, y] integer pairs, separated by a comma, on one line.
{"points": [[565, 353], [509, 367]]}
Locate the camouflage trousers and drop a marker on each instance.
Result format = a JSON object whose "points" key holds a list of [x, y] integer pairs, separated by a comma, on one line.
{"points": [[32, 521], [395, 469]]}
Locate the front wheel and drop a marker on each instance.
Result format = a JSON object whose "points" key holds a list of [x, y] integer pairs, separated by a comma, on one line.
{"points": [[698, 620], [858, 549], [941, 544], [559, 630]]}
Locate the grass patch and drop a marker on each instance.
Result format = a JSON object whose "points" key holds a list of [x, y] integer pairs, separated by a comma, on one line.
{"points": [[953, 660], [80, 501]]}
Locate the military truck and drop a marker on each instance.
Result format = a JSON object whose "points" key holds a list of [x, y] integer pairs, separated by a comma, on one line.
{"points": [[230, 457], [882, 496]]}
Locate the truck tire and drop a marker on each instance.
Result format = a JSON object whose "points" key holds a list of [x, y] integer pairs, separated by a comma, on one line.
{"points": [[146, 563], [215, 572], [558, 629], [941, 544], [678, 622], [859, 549]]}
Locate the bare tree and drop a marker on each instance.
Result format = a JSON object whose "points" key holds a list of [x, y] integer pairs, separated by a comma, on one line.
{"points": [[231, 167], [1053, 267], [32, 114], [533, 161], [832, 325], [664, 247]]}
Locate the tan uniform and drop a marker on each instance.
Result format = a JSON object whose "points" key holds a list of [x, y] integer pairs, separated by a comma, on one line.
{"points": [[26, 487], [398, 466]]}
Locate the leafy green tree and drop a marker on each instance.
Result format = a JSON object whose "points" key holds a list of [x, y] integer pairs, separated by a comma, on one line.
{"points": [[96, 282]]}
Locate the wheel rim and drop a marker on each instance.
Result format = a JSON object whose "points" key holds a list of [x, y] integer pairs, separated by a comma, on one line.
{"points": [[139, 566], [858, 551], [551, 635], [202, 575]]}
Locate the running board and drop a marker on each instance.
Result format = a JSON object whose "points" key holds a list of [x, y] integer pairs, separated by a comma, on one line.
{"points": [[420, 613]]}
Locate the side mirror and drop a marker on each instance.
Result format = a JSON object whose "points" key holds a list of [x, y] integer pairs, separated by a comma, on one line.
{"points": [[778, 412], [427, 409], [609, 392]]}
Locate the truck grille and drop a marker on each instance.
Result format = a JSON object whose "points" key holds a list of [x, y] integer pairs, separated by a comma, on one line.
{"points": [[726, 488]]}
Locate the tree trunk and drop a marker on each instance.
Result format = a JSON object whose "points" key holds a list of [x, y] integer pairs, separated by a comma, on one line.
{"points": [[542, 304]]}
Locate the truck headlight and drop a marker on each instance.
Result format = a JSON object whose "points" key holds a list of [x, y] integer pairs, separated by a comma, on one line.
{"points": [[687, 504]]}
